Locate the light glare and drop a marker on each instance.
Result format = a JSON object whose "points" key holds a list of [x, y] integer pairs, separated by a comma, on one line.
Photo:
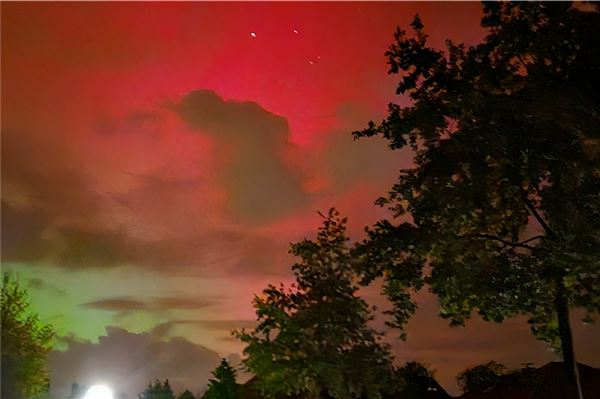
{"points": [[98, 392]]}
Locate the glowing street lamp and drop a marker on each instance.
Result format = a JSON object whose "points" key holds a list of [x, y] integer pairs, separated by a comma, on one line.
{"points": [[99, 392]]}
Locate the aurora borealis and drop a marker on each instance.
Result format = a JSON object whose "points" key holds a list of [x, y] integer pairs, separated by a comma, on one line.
{"points": [[158, 159]]}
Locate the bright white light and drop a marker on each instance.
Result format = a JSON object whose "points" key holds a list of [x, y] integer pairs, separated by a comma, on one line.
{"points": [[98, 392], [253, 34]]}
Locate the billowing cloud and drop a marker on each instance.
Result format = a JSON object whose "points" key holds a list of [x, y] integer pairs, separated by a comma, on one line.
{"points": [[127, 362], [160, 218], [252, 141], [159, 207]]}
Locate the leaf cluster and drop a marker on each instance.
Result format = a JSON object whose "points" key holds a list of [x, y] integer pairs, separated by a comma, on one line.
{"points": [[26, 343], [480, 378]]}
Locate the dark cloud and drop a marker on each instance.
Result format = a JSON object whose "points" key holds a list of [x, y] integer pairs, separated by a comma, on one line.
{"points": [[124, 304], [53, 211], [88, 247], [225, 326], [116, 304], [38, 172], [261, 186], [127, 362], [31, 235], [40, 285], [22, 230], [43, 188], [56, 212]]}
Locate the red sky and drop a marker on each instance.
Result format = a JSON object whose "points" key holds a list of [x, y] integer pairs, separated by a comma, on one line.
{"points": [[157, 160]]}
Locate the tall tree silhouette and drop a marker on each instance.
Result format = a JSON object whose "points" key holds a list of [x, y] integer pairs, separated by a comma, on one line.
{"points": [[158, 390], [223, 385], [186, 395], [504, 195], [25, 344], [313, 338]]}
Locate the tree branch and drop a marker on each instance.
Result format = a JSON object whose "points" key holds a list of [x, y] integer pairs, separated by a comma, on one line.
{"points": [[506, 242], [532, 239], [537, 216]]}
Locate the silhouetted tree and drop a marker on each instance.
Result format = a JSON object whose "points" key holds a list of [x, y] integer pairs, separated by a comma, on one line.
{"points": [[481, 378], [504, 194], [26, 343], [223, 385], [158, 390], [186, 395], [313, 338], [415, 380]]}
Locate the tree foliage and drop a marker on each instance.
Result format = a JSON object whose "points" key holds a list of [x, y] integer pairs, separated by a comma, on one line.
{"points": [[186, 395], [26, 343], [158, 390], [223, 385], [505, 192], [312, 338], [416, 380], [481, 378]]}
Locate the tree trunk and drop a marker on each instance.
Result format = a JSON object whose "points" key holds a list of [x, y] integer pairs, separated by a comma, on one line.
{"points": [[561, 305], [566, 340]]}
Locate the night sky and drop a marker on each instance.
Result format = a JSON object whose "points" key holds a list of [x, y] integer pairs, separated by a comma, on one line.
{"points": [[158, 159]]}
